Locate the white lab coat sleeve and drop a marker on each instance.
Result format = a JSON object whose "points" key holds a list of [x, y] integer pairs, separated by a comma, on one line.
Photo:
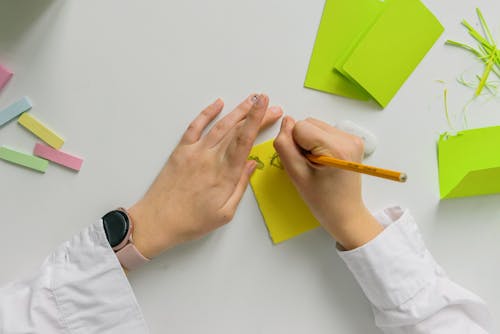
{"points": [[409, 292], [80, 288]]}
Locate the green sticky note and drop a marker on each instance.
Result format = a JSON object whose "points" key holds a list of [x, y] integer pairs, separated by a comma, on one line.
{"points": [[469, 163], [342, 23], [285, 213], [389, 51], [23, 159]]}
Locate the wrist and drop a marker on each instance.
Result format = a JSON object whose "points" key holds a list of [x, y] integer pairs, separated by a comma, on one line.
{"points": [[356, 230], [148, 240]]}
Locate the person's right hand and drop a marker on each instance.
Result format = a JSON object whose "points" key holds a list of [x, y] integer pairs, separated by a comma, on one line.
{"points": [[333, 195]]}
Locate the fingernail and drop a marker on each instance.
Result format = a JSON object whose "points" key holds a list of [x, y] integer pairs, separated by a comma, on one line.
{"points": [[255, 99], [276, 110]]}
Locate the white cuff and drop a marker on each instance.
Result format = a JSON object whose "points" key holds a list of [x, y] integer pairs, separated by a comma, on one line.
{"points": [[396, 265], [92, 293]]}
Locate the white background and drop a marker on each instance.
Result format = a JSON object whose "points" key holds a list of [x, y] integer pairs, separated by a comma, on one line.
{"points": [[121, 79]]}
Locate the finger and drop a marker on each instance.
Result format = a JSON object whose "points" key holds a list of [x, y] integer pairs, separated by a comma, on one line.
{"points": [[243, 139], [232, 203], [196, 127], [272, 115], [290, 155], [333, 130], [314, 139], [320, 124], [310, 137], [228, 122]]}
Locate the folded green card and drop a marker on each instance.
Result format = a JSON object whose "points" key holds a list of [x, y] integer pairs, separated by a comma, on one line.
{"points": [[368, 48], [469, 163], [342, 23], [391, 49]]}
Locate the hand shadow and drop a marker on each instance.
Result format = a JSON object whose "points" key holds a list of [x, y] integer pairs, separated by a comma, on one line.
{"points": [[18, 17]]}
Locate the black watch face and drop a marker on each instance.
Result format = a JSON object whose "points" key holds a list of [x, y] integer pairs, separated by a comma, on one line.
{"points": [[116, 226]]}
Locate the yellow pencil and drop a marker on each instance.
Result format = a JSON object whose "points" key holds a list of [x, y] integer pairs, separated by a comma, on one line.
{"points": [[357, 167]]}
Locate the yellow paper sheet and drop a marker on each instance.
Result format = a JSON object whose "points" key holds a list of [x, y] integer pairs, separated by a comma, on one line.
{"points": [[285, 213]]}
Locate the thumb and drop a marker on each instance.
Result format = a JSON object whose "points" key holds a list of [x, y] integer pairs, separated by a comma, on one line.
{"points": [[290, 155]]}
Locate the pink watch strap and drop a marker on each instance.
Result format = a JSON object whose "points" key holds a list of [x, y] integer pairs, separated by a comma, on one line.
{"points": [[130, 257]]}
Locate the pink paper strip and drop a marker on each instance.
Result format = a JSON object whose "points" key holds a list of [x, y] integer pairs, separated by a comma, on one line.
{"points": [[57, 156], [5, 75]]}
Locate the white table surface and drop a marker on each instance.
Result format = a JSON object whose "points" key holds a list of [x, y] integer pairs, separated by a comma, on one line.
{"points": [[121, 79]]}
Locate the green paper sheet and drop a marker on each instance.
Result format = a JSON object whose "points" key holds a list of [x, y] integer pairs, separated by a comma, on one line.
{"points": [[342, 23], [391, 49], [285, 213], [469, 163]]}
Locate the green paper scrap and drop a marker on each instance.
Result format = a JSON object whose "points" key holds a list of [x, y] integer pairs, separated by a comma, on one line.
{"points": [[342, 23], [469, 163], [487, 51], [391, 49], [23, 159]]}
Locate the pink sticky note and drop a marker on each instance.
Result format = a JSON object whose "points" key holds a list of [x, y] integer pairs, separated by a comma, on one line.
{"points": [[5, 75], [57, 156]]}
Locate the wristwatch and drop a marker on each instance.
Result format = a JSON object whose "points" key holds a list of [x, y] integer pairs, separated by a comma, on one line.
{"points": [[118, 227]]}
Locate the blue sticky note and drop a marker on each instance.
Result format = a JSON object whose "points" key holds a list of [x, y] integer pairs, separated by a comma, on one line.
{"points": [[14, 110]]}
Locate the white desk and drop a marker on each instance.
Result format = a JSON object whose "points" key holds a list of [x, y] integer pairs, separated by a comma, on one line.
{"points": [[121, 79]]}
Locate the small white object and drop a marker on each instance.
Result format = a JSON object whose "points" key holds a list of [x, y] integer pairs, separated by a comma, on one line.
{"points": [[369, 138]]}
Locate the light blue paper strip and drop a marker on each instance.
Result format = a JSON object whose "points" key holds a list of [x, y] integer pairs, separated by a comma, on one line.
{"points": [[14, 110]]}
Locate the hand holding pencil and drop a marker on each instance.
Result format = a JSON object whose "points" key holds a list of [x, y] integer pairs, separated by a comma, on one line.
{"points": [[333, 194]]}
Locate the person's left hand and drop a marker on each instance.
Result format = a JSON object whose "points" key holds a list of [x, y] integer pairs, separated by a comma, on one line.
{"points": [[203, 181]]}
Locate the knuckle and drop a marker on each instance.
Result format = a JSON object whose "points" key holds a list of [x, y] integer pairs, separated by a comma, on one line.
{"points": [[243, 140], [206, 113], [175, 158], [192, 127], [299, 127], [301, 123], [341, 153], [359, 144], [219, 127], [183, 155]]}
